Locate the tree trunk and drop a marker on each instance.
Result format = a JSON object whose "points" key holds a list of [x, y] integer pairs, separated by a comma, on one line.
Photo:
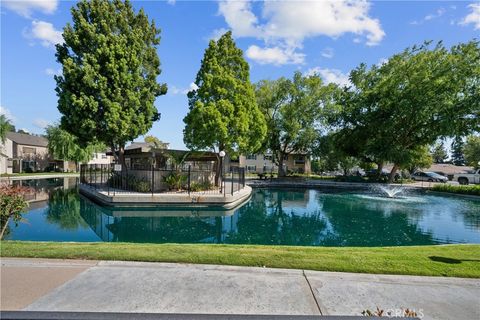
{"points": [[281, 170], [121, 158], [121, 161], [4, 227], [379, 170], [391, 177], [218, 170]]}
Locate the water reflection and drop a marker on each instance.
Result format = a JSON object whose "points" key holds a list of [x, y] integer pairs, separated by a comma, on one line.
{"points": [[275, 217]]}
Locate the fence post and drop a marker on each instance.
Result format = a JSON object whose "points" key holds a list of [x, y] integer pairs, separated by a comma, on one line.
{"points": [[189, 178], [243, 178], [232, 179], [153, 179]]}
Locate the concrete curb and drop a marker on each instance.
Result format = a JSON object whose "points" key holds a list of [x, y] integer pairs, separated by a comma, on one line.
{"points": [[227, 201]]}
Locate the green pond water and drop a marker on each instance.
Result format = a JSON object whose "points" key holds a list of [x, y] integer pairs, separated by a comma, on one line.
{"points": [[303, 217]]}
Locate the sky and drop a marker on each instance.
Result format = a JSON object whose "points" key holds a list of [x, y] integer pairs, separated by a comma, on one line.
{"points": [[329, 37]]}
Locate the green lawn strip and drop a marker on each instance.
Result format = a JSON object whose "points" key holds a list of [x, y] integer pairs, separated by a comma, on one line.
{"points": [[455, 260], [469, 190]]}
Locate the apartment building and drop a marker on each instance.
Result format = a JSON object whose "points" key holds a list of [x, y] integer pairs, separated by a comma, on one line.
{"points": [[260, 163]]}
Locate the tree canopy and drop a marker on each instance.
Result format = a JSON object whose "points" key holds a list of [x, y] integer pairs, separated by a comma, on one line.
{"points": [[458, 158], [223, 113], [293, 110], [156, 142], [439, 154], [472, 151], [110, 65], [5, 127], [65, 146], [416, 97]]}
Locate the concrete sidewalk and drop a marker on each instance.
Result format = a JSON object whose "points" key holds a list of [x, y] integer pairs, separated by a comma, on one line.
{"points": [[105, 286]]}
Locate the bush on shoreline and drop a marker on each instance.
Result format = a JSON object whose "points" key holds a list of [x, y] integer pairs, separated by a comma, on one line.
{"points": [[470, 190]]}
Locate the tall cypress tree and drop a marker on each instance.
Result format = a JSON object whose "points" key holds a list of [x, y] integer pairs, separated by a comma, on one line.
{"points": [[458, 157], [110, 64], [223, 113]]}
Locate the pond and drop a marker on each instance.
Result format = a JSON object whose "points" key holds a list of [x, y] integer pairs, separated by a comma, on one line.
{"points": [[304, 217]]}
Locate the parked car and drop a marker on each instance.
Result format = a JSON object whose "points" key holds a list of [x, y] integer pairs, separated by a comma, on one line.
{"points": [[466, 178], [429, 176], [385, 174]]}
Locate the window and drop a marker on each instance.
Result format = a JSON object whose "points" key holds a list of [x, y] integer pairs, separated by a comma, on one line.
{"points": [[268, 158], [251, 168], [28, 150], [251, 157], [299, 160], [104, 156]]}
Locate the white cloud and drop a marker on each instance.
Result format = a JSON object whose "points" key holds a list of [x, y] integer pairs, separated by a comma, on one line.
{"points": [[25, 8], [44, 32], [274, 55], [192, 87], [437, 14], [171, 2], [217, 33], [8, 114], [53, 72], [473, 17], [41, 123], [175, 90], [327, 53], [331, 76], [240, 18], [286, 24], [382, 61]]}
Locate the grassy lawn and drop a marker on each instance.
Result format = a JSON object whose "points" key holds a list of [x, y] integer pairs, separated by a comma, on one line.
{"points": [[470, 189], [448, 260], [37, 174]]}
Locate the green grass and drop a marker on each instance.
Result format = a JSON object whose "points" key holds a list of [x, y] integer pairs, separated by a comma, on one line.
{"points": [[445, 260], [36, 174], [471, 190]]}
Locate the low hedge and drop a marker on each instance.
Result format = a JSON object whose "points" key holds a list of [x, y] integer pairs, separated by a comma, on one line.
{"points": [[471, 190]]}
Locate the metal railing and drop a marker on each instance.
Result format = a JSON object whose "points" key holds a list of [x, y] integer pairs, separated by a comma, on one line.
{"points": [[184, 179]]}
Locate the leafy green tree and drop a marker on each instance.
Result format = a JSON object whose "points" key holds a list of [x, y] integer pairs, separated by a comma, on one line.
{"points": [[418, 158], [439, 154], [458, 158], [334, 158], [110, 65], [472, 151], [293, 110], [159, 144], [223, 113], [418, 96], [12, 204], [5, 127], [65, 146]]}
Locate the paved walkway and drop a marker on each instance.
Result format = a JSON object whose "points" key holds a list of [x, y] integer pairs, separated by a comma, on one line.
{"points": [[106, 286]]}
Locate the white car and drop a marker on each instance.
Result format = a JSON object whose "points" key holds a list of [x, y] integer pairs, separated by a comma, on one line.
{"points": [[429, 176], [466, 178]]}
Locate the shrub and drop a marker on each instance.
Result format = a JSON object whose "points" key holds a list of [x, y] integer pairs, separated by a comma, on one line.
{"points": [[141, 186], [175, 180], [200, 186], [12, 203], [471, 190]]}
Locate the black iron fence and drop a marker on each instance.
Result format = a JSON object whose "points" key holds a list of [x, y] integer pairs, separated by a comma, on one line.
{"points": [[111, 179]]}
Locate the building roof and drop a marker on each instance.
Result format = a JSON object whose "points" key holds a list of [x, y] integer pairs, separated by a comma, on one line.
{"points": [[27, 139]]}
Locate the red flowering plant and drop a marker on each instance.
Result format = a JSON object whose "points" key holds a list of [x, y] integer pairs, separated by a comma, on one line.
{"points": [[12, 204]]}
